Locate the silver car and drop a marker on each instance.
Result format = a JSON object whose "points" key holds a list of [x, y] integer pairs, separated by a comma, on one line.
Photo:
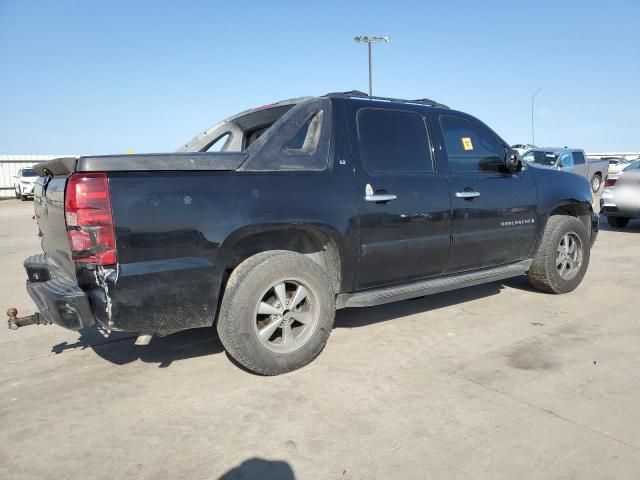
{"points": [[570, 160], [620, 200]]}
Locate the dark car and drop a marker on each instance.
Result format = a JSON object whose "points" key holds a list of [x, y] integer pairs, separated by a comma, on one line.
{"points": [[310, 205]]}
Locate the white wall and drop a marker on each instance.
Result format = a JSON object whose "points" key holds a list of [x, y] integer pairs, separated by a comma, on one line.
{"points": [[9, 166]]}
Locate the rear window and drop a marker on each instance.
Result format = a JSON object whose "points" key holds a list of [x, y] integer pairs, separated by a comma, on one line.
{"points": [[578, 158], [393, 141]]}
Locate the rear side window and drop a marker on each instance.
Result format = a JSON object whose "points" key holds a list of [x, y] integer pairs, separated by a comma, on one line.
{"points": [[299, 140], [219, 143], [306, 138], [393, 141], [471, 147], [578, 158]]}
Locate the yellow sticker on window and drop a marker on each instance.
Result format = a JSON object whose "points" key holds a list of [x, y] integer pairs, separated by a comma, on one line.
{"points": [[466, 143]]}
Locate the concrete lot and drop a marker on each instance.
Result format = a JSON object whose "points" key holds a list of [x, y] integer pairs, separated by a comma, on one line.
{"points": [[492, 382]]}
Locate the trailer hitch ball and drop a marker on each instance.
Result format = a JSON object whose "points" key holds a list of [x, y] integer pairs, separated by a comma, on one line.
{"points": [[16, 322], [12, 313]]}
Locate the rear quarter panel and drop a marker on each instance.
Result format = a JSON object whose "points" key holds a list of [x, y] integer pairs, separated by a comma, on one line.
{"points": [[175, 229]]}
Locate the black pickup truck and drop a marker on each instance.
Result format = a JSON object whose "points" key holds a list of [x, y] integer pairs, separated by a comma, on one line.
{"points": [[269, 221]]}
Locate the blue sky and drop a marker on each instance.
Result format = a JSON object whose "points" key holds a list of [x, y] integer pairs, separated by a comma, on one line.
{"points": [[106, 77]]}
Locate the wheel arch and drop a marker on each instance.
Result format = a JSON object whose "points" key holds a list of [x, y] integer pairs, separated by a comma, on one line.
{"points": [[573, 208], [320, 243]]}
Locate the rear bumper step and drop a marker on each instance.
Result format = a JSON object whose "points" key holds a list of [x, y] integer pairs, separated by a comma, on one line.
{"points": [[59, 300]]}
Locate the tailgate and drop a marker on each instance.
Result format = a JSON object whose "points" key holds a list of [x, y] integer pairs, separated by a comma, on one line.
{"points": [[49, 210]]}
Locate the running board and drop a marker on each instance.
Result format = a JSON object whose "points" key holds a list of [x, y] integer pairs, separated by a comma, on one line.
{"points": [[405, 291]]}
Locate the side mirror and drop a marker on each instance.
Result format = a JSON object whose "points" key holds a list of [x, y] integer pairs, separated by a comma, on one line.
{"points": [[512, 160]]}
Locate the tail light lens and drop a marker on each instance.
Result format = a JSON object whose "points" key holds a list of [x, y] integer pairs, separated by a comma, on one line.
{"points": [[89, 219], [610, 182]]}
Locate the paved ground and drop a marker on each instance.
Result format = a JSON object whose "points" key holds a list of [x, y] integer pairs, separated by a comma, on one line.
{"points": [[492, 382]]}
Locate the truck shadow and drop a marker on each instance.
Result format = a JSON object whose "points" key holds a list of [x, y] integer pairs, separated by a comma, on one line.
{"points": [[633, 226], [119, 347], [362, 317], [260, 469]]}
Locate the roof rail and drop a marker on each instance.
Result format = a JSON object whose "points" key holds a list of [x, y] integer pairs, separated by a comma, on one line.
{"points": [[359, 94]]}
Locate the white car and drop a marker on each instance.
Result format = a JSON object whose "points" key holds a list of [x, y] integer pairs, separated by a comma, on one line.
{"points": [[522, 147], [24, 182], [617, 164]]}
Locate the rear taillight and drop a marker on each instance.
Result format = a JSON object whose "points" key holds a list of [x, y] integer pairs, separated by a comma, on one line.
{"points": [[610, 182], [87, 209]]}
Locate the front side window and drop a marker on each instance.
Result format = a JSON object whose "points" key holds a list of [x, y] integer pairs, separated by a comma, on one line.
{"points": [[471, 147], [540, 157], [393, 141], [566, 160]]}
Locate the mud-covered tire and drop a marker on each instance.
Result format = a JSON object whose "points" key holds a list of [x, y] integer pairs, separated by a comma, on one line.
{"points": [[618, 222], [596, 182], [544, 273], [239, 320]]}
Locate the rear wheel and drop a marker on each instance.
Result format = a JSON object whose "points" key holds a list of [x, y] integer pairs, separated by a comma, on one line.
{"points": [[596, 182], [563, 256], [618, 222], [277, 312]]}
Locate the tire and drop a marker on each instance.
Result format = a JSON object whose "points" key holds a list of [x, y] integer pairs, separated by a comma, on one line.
{"points": [[18, 194], [618, 222], [24, 198], [252, 285], [596, 182], [546, 273]]}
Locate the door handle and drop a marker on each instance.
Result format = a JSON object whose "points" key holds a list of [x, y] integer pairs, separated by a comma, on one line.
{"points": [[467, 194], [379, 197], [371, 196]]}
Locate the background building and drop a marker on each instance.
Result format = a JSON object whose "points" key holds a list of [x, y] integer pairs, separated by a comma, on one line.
{"points": [[9, 166]]}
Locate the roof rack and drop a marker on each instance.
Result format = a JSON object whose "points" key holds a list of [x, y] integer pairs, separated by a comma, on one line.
{"points": [[359, 94]]}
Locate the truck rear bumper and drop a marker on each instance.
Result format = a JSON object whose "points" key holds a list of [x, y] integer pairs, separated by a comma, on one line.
{"points": [[59, 300]]}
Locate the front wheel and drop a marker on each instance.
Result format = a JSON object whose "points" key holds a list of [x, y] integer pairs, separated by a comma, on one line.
{"points": [[563, 257], [277, 312]]}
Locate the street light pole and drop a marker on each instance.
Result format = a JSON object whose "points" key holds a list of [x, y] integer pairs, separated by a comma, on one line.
{"points": [[370, 72], [533, 134], [369, 40]]}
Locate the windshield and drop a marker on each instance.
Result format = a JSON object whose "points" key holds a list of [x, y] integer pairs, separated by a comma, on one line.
{"points": [[29, 172], [634, 166], [542, 158]]}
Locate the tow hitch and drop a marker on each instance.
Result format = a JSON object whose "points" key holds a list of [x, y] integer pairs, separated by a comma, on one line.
{"points": [[16, 322]]}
